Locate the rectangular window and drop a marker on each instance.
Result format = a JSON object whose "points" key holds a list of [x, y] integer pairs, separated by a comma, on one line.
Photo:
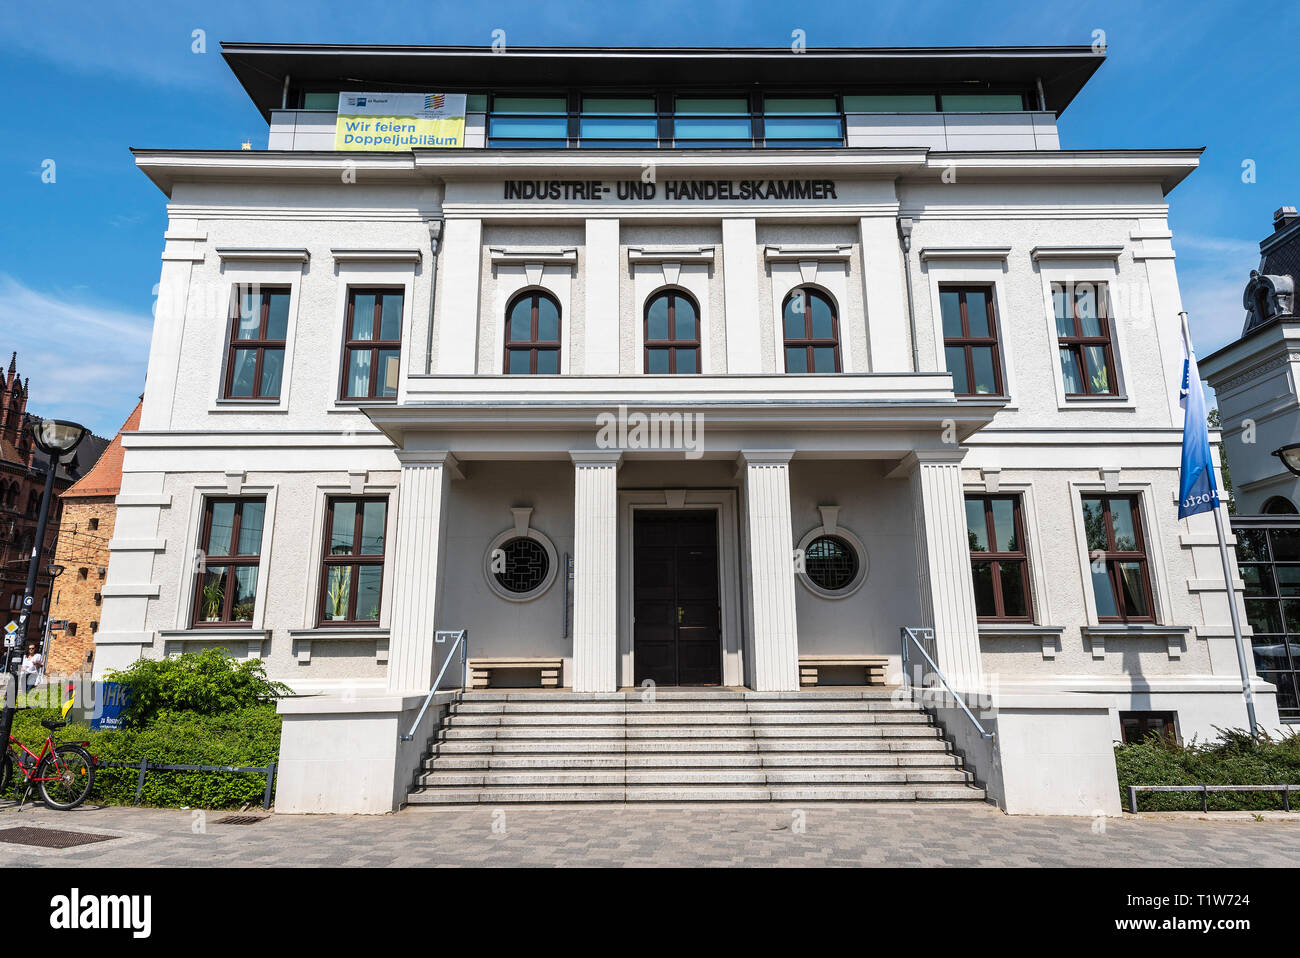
{"points": [[372, 344], [999, 561], [712, 121], [1139, 726], [970, 340], [1269, 563], [1083, 330], [230, 543], [352, 564], [891, 103], [259, 322], [982, 102], [529, 121], [801, 121], [611, 122], [1117, 558]]}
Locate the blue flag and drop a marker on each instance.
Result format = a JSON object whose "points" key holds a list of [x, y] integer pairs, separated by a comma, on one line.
{"points": [[1196, 488]]}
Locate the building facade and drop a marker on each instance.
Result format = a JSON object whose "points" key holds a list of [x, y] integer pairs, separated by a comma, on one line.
{"points": [[753, 356], [1254, 378], [22, 482], [85, 530]]}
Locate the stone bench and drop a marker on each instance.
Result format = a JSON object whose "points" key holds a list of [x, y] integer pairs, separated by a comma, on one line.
{"points": [[873, 667], [480, 670]]}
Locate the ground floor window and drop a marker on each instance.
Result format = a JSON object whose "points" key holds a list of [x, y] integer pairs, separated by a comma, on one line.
{"points": [[1139, 726], [1268, 558], [352, 573], [1117, 558], [230, 544], [999, 562]]}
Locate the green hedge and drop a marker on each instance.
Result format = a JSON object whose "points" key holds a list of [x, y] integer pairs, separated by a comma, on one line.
{"points": [[1233, 759], [247, 736]]}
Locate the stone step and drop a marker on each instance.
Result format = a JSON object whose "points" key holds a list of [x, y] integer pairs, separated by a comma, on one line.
{"points": [[778, 760], [504, 794], [915, 746], [900, 717], [705, 732], [475, 707], [680, 694], [691, 776]]}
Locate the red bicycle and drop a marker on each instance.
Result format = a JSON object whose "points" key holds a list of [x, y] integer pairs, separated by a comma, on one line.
{"points": [[63, 774]]}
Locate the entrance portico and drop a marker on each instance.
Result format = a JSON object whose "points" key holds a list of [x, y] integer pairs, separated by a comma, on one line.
{"points": [[723, 602]]}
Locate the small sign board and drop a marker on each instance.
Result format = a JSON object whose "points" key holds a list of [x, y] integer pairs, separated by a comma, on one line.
{"points": [[110, 703]]}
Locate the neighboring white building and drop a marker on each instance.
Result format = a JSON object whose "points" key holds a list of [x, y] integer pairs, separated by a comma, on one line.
{"points": [[1254, 379], [882, 316]]}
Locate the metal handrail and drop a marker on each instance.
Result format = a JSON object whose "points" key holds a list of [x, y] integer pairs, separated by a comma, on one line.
{"points": [[462, 642], [909, 633]]}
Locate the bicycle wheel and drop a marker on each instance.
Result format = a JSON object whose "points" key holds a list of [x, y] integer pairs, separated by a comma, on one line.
{"points": [[65, 783]]}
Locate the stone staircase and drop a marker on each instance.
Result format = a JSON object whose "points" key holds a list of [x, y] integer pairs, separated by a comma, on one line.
{"points": [[711, 745]]}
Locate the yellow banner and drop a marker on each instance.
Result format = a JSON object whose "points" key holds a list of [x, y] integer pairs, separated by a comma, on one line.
{"points": [[399, 121]]}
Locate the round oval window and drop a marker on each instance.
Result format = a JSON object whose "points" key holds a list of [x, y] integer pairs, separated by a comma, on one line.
{"points": [[830, 563], [526, 565]]}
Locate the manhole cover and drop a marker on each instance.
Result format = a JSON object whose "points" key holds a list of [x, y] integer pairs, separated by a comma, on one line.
{"points": [[240, 820], [49, 837]]}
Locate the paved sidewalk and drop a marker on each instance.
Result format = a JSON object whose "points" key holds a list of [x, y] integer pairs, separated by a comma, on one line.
{"points": [[724, 835]]}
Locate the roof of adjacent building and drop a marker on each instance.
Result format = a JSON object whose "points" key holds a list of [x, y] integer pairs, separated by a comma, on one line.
{"points": [[105, 476], [263, 67]]}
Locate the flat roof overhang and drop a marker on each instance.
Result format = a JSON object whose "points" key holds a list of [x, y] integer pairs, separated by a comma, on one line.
{"points": [[724, 419], [166, 167], [262, 67]]}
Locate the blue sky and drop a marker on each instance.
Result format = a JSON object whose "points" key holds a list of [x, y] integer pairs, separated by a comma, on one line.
{"points": [[85, 81]]}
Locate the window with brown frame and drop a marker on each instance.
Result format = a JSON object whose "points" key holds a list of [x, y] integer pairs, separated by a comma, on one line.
{"points": [[1083, 330], [259, 322], [372, 344], [230, 544], [999, 560], [533, 334], [672, 333], [812, 332], [1117, 558], [352, 562], [970, 340]]}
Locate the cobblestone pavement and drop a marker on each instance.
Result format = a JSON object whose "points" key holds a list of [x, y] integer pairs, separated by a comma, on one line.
{"points": [[659, 835]]}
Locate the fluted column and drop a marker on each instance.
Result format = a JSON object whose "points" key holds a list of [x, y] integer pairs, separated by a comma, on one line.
{"points": [[774, 634], [943, 565], [595, 570], [417, 561]]}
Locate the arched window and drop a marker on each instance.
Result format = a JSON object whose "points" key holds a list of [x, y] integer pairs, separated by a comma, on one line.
{"points": [[672, 333], [533, 333], [1279, 506], [812, 332]]}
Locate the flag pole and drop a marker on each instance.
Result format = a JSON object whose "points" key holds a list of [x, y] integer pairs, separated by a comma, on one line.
{"points": [[1230, 590]]}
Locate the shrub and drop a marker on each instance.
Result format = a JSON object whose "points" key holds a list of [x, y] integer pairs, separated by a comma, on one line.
{"points": [[248, 736], [1233, 759], [209, 683]]}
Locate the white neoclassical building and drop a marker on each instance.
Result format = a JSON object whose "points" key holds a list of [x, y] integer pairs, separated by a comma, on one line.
{"points": [[685, 365]]}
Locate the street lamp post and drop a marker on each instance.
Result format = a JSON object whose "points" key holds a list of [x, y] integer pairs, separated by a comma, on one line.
{"points": [[56, 438], [54, 570]]}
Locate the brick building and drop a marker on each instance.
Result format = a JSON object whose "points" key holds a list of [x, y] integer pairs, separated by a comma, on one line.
{"points": [[88, 510], [22, 479]]}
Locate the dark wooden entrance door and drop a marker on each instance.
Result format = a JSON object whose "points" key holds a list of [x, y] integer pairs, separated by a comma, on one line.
{"points": [[675, 628]]}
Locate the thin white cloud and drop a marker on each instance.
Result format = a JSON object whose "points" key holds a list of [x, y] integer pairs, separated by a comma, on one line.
{"points": [[86, 361]]}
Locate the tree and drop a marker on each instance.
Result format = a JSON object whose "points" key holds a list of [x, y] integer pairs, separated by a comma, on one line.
{"points": [[1213, 421]]}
